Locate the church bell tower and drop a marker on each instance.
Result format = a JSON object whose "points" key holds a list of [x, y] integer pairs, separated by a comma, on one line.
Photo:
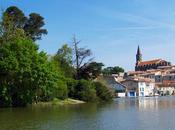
{"points": [[138, 56]]}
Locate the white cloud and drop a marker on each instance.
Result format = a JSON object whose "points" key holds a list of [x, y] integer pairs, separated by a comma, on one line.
{"points": [[142, 22]]}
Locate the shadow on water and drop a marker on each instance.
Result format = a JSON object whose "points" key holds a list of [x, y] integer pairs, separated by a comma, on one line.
{"points": [[46, 117]]}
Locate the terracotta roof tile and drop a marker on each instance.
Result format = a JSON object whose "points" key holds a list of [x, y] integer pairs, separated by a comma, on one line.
{"points": [[156, 61], [135, 72]]}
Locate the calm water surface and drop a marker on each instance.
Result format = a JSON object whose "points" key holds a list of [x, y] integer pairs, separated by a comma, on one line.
{"points": [[121, 114]]}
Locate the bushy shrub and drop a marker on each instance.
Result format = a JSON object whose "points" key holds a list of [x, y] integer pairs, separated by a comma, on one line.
{"points": [[71, 84], [85, 91], [103, 93], [82, 90], [5, 99], [61, 91]]}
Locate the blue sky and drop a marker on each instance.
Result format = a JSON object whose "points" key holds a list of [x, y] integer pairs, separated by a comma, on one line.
{"points": [[111, 29]]}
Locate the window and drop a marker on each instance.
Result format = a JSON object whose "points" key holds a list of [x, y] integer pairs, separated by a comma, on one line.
{"points": [[141, 89], [147, 85]]}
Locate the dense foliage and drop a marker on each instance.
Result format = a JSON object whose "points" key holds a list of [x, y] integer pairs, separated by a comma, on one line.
{"points": [[89, 91], [63, 60], [102, 92], [29, 76], [113, 70], [23, 71], [13, 18], [91, 71]]}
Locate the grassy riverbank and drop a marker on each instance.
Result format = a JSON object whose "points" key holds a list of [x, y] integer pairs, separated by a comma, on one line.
{"points": [[60, 102]]}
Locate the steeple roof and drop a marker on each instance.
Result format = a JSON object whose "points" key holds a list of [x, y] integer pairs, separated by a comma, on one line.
{"points": [[138, 51]]}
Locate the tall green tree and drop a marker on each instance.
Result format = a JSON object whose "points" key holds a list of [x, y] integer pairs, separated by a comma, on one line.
{"points": [[14, 15], [10, 28], [14, 18], [16, 67], [63, 60], [33, 26], [65, 54], [27, 76]]}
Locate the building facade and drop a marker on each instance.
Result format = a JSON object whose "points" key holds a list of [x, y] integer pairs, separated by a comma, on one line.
{"points": [[140, 87]]}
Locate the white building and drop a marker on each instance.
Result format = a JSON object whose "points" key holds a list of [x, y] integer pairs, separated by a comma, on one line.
{"points": [[139, 87]]}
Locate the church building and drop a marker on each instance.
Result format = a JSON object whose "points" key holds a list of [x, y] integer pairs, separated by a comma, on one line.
{"points": [[148, 65]]}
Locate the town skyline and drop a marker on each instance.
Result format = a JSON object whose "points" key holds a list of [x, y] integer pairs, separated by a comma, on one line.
{"points": [[112, 30]]}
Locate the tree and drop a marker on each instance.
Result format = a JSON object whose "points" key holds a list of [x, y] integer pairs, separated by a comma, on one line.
{"points": [[65, 54], [13, 18], [10, 26], [107, 70], [16, 65], [33, 26], [91, 70], [63, 60], [81, 57], [27, 76], [117, 70], [113, 70]]}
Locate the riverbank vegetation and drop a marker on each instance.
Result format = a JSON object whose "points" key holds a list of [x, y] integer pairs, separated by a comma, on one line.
{"points": [[59, 102], [28, 75]]}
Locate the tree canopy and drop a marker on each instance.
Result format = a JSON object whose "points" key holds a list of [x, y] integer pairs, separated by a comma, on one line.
{"points": [[63, 60], [113, 70], [91, 70], [14, 18], [23, 72]]}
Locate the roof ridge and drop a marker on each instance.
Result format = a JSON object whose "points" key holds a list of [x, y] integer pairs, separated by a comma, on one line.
{"points": [[151, 60]]}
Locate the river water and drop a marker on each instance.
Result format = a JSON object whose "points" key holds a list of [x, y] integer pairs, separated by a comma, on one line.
{"points": [[155, 113]]}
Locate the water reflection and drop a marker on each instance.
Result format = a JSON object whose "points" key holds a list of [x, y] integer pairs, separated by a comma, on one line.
{"points": [[153, 113], [156, 103], [146, 103]]}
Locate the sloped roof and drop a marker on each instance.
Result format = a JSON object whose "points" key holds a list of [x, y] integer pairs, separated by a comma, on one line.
{"points": [[112, 80], [139, 79], [156, 61], [135, 72]]}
